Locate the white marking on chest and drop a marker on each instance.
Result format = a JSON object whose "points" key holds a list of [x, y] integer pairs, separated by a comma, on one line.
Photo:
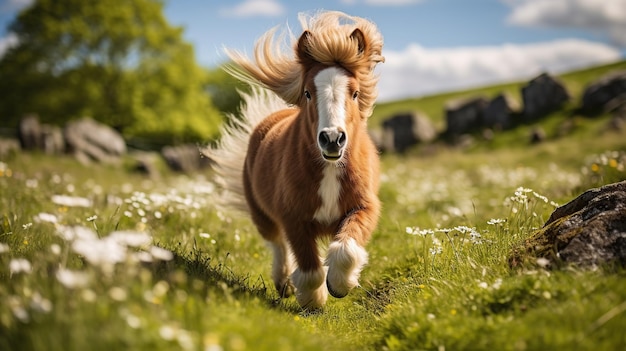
{"points": [[329, 191]]}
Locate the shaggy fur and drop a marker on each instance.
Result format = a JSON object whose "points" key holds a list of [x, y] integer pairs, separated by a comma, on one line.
{"points": [[302, 177]]}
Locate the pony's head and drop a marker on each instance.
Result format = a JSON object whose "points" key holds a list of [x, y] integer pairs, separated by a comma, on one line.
{"points": [[331, 78], [330, 90]]}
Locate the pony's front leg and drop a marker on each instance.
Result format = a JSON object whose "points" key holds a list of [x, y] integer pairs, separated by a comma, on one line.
{"points": [[308, 278], [346, 255]]}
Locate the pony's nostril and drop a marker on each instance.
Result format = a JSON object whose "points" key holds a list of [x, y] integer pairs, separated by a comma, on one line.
{"points": [[341, 140], [324, 139]]}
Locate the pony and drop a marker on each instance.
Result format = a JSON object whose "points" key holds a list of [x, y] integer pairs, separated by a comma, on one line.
{"points": [[299, 158]]}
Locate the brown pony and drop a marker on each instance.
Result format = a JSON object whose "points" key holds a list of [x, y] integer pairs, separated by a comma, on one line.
{"points": [[300, 160]]}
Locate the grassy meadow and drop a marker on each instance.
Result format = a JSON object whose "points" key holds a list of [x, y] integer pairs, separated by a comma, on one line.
{"points": [[100, 258]]}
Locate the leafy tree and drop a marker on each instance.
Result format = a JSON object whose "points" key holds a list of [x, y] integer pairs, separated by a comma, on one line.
{"points": [[224, 90], [118, 61]]}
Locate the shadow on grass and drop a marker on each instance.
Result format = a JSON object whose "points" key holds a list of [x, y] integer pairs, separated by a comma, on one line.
{"points": [[218, 277]]}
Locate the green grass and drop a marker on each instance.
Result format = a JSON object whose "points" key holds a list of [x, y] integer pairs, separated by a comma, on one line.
{"points": [[445, 285]]}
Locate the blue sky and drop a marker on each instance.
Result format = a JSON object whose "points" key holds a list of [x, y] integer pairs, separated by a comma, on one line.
{"points": [[430, 45]]}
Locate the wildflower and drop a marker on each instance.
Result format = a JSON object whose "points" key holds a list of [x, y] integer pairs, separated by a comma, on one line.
{"points": [[18, 310], [205, 235], [4, 248], [71, 201], [475, 237], [27, 225], [418, 231], [496, 221], [130, 238], [32, 183], [161, 254], [46, 217], [72, 279], [543, 262], [40, 303], [88, 295], [103, 252], [464, 229], [76, 232], [133, 321], [92, 218], [437, 247], [20, 265], [118, 294], [540, 197]]}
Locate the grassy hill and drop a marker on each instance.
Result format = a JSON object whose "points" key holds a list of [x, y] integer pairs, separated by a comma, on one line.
{"points": [[99, 258], [433, 106]]}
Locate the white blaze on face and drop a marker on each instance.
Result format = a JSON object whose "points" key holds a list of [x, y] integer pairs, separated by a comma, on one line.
{"points": [[331, 85]]}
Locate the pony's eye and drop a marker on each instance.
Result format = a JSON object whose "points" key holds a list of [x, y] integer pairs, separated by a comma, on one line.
{"points": [[307, 95], [355, 95]]}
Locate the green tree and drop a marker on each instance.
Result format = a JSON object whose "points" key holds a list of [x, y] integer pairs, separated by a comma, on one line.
{"points": [[224, 90], [118, 61]]}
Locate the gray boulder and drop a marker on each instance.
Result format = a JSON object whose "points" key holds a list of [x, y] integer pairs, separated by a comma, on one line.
{"points": [[8, 147], [89, 140], [184, 158], [589, 231], [605, 94], [29, 133], [405, 130], [497, 114], [543, 95], [52, 140], [464, 115]]}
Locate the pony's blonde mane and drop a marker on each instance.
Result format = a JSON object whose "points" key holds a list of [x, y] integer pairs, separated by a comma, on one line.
{"points": [[329, 43]]}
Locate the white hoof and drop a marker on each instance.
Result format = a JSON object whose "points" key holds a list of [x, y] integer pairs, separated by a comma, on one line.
{"points": [[311, 291], [345, 261]]}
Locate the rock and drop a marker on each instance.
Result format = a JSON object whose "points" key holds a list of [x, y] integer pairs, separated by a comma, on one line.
{"points": [[146, 163], [405, 130], [8, 147], [52, 140], [464, 115], [184, 158], [604, 93], [90, 140], [542, 95], [29, 133], [589, 231], [498, 112]]}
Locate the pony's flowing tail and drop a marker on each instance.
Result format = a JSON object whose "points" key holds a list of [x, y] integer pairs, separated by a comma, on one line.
{"points": [[229, 154]]}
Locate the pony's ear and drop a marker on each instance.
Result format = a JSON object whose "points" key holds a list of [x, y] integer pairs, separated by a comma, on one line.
{"points": [[303, 47], [360, 40]]}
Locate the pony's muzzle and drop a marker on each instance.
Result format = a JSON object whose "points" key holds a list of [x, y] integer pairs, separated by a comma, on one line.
{"points": [[332, 143]]}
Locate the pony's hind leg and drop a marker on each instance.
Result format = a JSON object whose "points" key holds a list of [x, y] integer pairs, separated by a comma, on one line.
{"points": [[282, 267], [282, 264]]}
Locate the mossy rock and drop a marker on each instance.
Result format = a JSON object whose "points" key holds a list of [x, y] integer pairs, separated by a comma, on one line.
{"points": [[589, 231]]}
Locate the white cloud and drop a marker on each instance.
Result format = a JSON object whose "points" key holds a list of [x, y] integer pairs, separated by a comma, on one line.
{"points": [[601, 16], [418, 71], [253, 8], [7, 42]]}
